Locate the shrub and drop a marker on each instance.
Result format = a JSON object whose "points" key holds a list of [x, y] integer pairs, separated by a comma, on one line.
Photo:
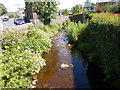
{"points": [[100, 39], [21, 56], [115, 8], [111, 8], [74, 30], [13, 15], [105, 19], [106, 38], [65, 12], [84, 46]]}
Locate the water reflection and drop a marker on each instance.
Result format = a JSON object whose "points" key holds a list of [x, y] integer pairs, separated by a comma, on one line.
{"points": [[79, 70], [87, 74], [81, 75], [96, 77]]}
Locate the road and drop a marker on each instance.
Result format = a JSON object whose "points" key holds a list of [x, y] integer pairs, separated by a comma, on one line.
{"points": [[8, 24]]}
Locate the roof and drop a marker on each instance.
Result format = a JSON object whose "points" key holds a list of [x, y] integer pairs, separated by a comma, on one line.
{"points": [[100, 1]]}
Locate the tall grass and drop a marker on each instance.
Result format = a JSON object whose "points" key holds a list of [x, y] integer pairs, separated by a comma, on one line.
{"points": [[74, 30]]}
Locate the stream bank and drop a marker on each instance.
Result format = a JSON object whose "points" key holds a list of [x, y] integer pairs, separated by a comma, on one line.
{"points": [[79, 73]]}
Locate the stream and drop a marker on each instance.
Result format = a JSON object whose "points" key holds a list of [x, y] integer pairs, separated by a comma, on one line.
{"points": [[79, 73]]}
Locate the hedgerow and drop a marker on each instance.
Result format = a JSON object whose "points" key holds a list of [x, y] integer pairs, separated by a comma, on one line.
{"points": [[100, 40]]}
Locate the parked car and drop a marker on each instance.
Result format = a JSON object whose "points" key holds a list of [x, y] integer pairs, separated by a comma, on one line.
{"points": [[19, 21], [5, 19]]}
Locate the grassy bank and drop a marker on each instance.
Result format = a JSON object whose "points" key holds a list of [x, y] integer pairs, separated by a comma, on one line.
{"points": [[99, 38], [20, 55]]}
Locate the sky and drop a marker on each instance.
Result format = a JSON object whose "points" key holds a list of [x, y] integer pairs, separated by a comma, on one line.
{"points": [[13, 5]]}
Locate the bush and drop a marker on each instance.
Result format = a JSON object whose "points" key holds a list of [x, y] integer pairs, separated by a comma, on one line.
{"points": [[85, 46], [100, 39], [111, 8], [106, 41], [115, 8], [105, 19], [106, 38], [65, 12], [21, 56], [13, 15], [74, 30]]}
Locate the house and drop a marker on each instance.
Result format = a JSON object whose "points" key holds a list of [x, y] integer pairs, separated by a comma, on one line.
{"points": [[21, 12]]}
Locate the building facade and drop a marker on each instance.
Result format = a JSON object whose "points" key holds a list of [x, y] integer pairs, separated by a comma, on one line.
{"points": [[21, 12]]}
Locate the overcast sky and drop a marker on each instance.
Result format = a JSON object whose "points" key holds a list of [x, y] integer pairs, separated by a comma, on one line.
{"points": [[13, 5]]}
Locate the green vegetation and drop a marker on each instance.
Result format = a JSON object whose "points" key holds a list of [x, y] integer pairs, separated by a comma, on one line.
{"points": [[93, 5], [99, 39], [77, 9], [112, 8], [12, 15], [46, 10], [21, 55], [74, 30], [65, 12], [3, 9], [115, 8]]}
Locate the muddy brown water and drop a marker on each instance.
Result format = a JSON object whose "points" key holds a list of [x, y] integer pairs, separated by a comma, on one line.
{"points": [[52, 75], [79, 74]]}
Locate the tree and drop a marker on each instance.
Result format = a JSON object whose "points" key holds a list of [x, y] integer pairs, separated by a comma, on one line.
{"points": [[93, 5], [77, 9], [3, 9], [65, 12], [45, 10]]}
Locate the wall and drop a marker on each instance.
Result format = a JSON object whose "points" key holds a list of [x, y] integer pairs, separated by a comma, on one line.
{"points": [[19, 28], [77, 17], [59, 19]]}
